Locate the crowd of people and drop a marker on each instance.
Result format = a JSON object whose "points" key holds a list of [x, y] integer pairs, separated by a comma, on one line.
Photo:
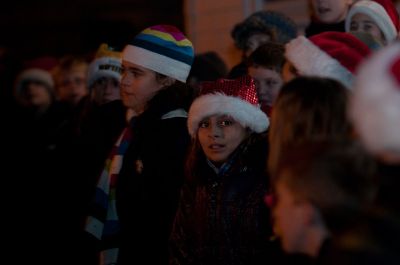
{"points": [[157, 154]]}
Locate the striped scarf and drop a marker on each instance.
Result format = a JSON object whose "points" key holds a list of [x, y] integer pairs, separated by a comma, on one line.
{"points": [[103, 222]]}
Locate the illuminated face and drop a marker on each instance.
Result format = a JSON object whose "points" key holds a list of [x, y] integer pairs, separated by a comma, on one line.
{"points": [[219, 136], [73, 86], [268, 83], [363, 23], [288, 217], [138, 86], [331, 11], [254, 41], [105, 89]]}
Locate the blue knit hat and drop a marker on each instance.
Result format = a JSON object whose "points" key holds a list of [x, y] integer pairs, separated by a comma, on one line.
{"points": [[163, 49]]}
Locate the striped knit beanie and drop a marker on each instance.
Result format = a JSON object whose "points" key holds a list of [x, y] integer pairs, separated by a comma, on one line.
{"points": [[163, 49]]}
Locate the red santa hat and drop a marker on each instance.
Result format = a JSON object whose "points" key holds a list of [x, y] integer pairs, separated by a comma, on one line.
{"points": [[329, 54], [235, 98], [382, 12], [375, 105]]}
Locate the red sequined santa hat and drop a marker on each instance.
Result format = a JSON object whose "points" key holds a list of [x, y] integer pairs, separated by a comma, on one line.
{"points": [[329, 54], [375, 104], [235, 98], [382, 12]]}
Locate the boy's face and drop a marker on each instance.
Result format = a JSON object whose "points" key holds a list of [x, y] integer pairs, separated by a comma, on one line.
{"points": [[268, 83], [331, 11], [363, 23], [289, 219], [219, 136], [138, 86], [73, 85]]}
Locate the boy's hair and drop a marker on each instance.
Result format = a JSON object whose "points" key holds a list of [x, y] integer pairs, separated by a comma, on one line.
{"points": [[307, 109], [330, 174], [67, 63], [270, 55]]}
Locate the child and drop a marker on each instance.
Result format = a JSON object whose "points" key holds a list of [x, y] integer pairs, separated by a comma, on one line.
{"points": [[259, 28], [327, 15], [221, 219], [379, 130], [138, 191], [104, 75], [320, 185], [377, 17], [265, 67], [307, 109]]}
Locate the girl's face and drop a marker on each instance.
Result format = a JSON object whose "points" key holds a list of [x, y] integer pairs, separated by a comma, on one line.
{"points": [[138, 86], [105, 89], [331, 11], [363, 23], [268, 82], [219, 136]]}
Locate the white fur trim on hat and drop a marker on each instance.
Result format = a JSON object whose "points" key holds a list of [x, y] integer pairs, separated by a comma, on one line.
{"points": [[310, 60], [377, 13], [156, 62], [104, 67], [375, 105], [34, 74], [246, 114]]}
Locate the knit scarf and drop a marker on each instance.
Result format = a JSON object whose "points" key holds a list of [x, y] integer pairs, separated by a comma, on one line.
{"points": [[103, 222]]}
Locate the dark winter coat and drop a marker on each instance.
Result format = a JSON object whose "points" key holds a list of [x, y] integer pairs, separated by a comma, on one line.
{"points": [[222, 218], [151, 177]]}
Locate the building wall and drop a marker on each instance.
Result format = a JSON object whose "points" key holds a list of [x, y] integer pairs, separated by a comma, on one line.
{"points": [[209, 22]]}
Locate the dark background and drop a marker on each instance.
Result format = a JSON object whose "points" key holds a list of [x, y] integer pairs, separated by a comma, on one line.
{"points": [[36, 28], [31, 28]]}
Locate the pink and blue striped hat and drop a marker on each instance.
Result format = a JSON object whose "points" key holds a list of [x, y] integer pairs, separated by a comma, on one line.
{"points": [[163, 49]]}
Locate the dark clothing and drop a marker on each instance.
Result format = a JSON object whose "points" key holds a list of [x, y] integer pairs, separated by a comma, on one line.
{"points": [[150, 178], [389, 182], [316, 27], [222, 218], [369, 239], [238, 70]]}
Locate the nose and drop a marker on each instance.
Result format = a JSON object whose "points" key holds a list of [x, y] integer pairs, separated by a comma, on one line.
{"points": [[214, 131]]}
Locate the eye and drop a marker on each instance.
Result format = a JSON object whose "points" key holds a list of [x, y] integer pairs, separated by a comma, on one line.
{"points": [[226, 122], [353, 26], [204, 124]]}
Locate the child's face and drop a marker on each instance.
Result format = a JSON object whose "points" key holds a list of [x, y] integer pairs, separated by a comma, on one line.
{"points": [[73, 86], [138, 86], [331, 11], [219, 136], [268, 83], [36, 94], [105, 89], [363, 23], [289, 219]]}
